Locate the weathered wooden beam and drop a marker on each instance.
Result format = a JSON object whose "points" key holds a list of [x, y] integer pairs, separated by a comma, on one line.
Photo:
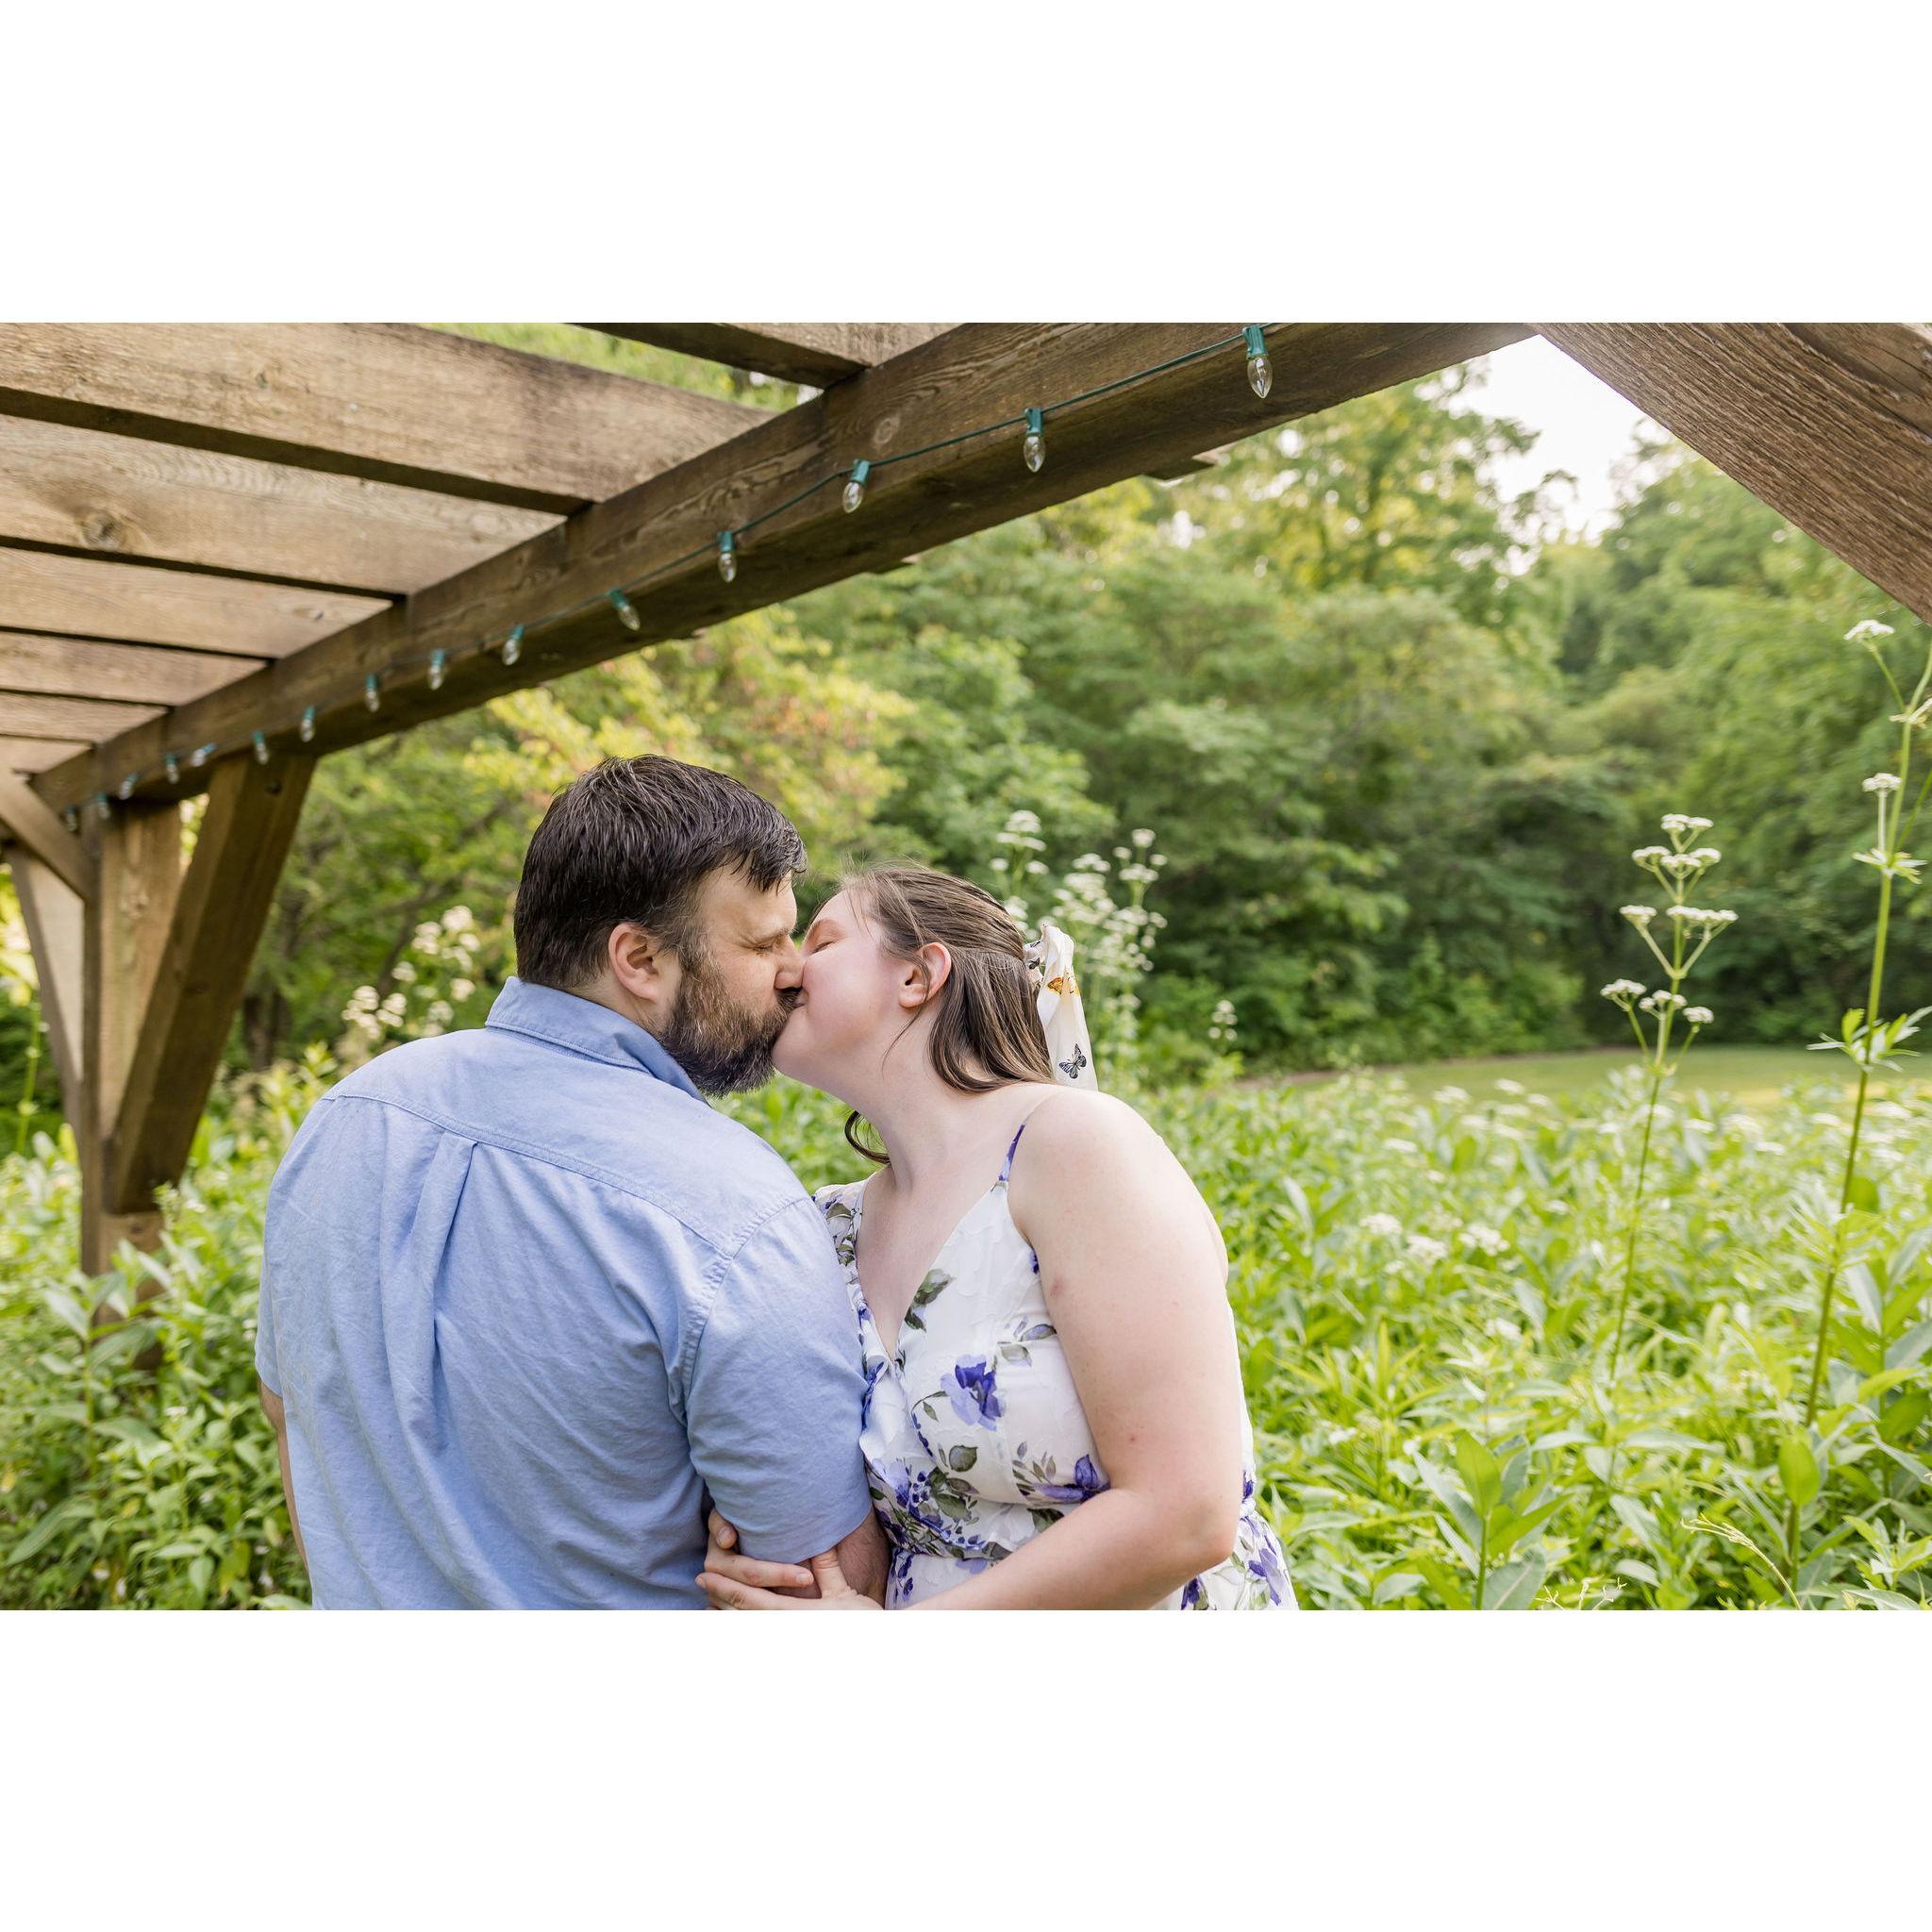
{"points": [[25, 816], [1829, 423], [94, 493], [132, 674], [24, 715], [951, 385], [816, 353], [417, 406], [141, 604], [35, 753], [55, 915], [217, 920], [137, 855]]}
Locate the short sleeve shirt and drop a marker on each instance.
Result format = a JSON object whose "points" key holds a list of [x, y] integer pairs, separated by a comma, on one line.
{"points": [[527, 1298]]}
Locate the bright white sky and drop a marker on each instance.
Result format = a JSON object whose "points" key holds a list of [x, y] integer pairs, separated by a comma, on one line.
{"points": [[1584, 426]]}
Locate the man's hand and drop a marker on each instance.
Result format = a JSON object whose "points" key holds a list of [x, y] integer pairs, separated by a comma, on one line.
{"points": [[835, 1593]]}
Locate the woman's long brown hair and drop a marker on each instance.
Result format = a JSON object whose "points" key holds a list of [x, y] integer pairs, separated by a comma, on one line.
{"points": [[986, 1028]]}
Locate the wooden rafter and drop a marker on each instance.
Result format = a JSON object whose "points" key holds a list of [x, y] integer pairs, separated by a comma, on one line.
{"points": [[35, 753], [815, 352], [25, 715], [25, 817], [141, 604], [1829, 423], [417, 406], [92, 494], [54, 917], [959, 382], [132, 674]]}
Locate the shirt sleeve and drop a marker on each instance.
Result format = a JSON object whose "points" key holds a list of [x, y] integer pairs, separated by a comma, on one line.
{"points": [[265, 1364], [774, 1392]]}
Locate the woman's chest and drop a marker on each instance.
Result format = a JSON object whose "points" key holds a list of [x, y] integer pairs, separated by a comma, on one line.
{"points": [[979, 1385]]}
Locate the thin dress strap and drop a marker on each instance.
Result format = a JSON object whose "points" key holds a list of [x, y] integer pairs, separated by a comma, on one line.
{"points": [[1007, 1172]]}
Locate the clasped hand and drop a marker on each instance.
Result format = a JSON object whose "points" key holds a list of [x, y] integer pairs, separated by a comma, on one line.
{"points": [[734, 1581]]}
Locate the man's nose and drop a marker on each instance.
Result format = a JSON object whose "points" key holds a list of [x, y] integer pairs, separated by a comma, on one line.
{"points": [[791, 967]]}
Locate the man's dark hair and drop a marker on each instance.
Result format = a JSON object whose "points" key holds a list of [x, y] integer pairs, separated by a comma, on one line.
{"points": [[634, 841]]}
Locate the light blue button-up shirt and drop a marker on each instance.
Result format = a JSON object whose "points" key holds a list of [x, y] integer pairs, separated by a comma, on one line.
{"points": [[526, 1298]]}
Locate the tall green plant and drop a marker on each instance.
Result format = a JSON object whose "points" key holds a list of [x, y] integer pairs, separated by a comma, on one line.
{"points": [[1676, 867]]}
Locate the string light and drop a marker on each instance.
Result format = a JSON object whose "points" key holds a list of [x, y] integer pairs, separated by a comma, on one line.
{"points": [[102, 809], [71, 819], [260, 748], [1033, 448], [1260, 371]]}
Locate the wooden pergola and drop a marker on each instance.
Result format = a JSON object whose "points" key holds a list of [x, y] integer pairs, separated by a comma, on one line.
{"points": [[227, 551]]}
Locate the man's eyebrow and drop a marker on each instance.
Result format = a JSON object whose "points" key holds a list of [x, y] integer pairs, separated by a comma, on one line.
{"points": [[773, 936]]}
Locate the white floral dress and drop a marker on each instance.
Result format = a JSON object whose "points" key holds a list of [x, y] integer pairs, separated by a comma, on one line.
{"points": [[974, 1437]]}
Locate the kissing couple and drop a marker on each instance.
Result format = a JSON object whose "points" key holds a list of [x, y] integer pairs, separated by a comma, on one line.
{"points": [[540, 1328]]}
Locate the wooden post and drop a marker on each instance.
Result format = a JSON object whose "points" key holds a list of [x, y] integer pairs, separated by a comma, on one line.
{"points": [[137, 856]]}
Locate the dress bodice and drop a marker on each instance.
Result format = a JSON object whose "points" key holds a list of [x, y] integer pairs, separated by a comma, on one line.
{"points": [[974, 1434]]}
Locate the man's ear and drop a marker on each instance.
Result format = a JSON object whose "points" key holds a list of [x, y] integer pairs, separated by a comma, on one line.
{"points": [[642, 963], [924, 976]]}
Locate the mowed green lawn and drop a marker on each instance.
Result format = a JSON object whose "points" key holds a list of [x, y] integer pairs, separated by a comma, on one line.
{"points": [[1752, 1077]]}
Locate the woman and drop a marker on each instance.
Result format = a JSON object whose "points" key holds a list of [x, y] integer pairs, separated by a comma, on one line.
{"points": [[1053, 1415]]}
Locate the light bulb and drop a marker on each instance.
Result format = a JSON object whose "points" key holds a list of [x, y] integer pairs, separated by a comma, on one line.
{"points": [[1034, 447], [71, 819], [513, 645], [127, 785], [102, 809], [200, 755], [371, 694], [727, 557], [1260, 371], [855, 484], [438, 667], [622, 604], [308, 731], [172, 766], [260, 749]]}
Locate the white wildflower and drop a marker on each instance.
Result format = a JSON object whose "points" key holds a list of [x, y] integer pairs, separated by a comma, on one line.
{"points": [[1676, 822], [1696, 824], [1647, 854], [461, 989], [1450, 1097], [1867, 631], [1678, 863], [1639, 915], [1697, 1016], [1882, 781], [1425, 1251], [404, 973], [1510, 1087], [1381, 1228], [1486, 1239], [1623, 992], [1705, 855], [1144, 838]]}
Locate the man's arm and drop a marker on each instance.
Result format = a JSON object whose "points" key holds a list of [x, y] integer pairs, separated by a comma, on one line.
{"points": [[272, 1405]]}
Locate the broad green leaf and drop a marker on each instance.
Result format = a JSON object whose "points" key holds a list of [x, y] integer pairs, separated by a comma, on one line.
{"points": [[1515, 1585], [1481, 1472], [1909, 1346], [1798, 1469]]}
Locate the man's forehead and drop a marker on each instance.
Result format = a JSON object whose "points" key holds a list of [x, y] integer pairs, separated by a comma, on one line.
{"points": [[730, 895]]}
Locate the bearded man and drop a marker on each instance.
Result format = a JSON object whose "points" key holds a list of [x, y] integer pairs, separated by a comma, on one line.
{"points": [[527, 1298]]}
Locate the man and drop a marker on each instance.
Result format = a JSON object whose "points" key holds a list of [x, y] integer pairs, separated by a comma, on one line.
{"points": [[525, 1297]]}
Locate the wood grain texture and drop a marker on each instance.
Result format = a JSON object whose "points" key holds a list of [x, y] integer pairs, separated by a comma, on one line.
{"points": [[137, 855], [141, 604], [817, 353], [130, 673], [54, 914], [23, 715], [1829, 423], [25, 817], [417, 406], [35, 753], [958, 382], [96, 493], [216, 922]]}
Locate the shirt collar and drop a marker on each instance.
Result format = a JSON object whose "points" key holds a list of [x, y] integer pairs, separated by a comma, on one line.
{"points": [[566, 1020]]}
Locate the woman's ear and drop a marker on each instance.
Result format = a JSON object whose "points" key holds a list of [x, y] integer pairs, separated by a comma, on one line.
{"points": [[924, 976]]}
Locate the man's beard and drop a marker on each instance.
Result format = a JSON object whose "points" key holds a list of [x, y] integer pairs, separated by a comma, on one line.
{"points": [[720, 1046]]}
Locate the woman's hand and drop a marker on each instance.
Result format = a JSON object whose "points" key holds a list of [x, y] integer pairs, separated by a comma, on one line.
{"points": [[724, 1559], [726, 1593]]}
